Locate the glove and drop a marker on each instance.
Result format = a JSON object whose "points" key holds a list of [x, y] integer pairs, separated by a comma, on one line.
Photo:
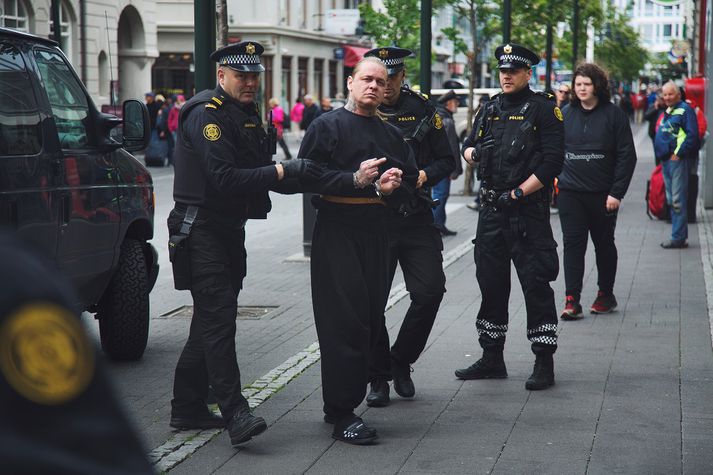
{"points": [[505, 202], [302, 168], [483, 147]]}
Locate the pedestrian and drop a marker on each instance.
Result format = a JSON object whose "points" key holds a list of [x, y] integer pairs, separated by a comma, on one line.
{"points": [[173, 115], [562, 94], [447, 106], [599, 162], [153, 107], [59, 412], [223, 171], [653, 116], [349, 261], [325, 105], [676, 146], [517, 141], [311, 112], [162, 126], [414, 242], [278, 120], [296, 116]]}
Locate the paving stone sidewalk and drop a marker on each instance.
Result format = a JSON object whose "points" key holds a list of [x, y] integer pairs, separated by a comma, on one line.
{"points": [[634, 390]]}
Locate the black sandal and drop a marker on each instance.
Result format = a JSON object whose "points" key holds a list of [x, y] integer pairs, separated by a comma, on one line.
{"points": [[354, 431]]}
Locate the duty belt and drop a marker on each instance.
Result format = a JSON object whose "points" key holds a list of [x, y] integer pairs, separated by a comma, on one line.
{"points": [[354, 200], [193, 211], [489, 196]]}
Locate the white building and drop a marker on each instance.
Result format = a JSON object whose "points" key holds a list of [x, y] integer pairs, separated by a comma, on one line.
{"points": [[658, 25]]}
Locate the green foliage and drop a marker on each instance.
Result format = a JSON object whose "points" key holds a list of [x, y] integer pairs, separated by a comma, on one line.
{"points": [[619, 50]]}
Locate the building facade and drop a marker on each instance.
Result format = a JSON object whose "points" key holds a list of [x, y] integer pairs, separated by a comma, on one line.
{"points": [[658, 24]]}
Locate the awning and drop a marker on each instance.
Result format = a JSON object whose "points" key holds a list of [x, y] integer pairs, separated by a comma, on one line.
{"points": [[353, 54]]}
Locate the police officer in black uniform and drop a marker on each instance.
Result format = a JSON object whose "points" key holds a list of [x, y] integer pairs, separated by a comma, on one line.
{"points": [[414, 241], [223, 171], [517, 144], [58, 413]]}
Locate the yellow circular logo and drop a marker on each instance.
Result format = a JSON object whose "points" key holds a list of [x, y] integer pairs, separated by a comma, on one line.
{"points": [[45, 355], [211, 132], [558, 114], [437, 121]]}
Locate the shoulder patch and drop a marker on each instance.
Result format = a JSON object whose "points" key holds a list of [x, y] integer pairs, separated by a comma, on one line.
{"points": [[545, 95], [211, 132], [437, 121], [216, 101], [211, 106], [45, 355], [558, 114]]}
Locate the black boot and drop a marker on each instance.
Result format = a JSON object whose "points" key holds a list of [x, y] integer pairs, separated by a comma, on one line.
{"points": [[490, 366], [403, 384], [244, 426], [543, 375], [379, 394]]}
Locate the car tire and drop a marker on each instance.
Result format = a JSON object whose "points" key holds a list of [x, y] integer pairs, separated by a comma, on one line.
{"points": [[124, 308]]}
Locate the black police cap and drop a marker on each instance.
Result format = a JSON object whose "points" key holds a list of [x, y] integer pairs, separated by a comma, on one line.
{"points": [[447, 97], [243, 56], [392, 56], [512, 56]]}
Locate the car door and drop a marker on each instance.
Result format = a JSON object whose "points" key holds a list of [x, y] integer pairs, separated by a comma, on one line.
{"points": [[28, 199], [89, 209]]}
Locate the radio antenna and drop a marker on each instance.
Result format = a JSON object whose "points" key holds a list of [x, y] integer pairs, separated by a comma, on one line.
{"points": [[111, 68]]}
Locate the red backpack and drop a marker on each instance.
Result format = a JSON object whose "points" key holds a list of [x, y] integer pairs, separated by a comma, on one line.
{"points": [[656, 195]]}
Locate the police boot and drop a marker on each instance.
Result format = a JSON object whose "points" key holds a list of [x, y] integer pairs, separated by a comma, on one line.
{"points": [[543, 375], [403, 384], [490, 366], [379, 394], [243, 426]]}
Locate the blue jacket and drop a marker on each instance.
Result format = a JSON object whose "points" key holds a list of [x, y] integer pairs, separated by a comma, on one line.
{"points": [[678, 133]]}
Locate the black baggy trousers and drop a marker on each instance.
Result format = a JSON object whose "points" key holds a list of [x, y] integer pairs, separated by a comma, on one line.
{"points": [[218, 266], [349, 270], [418, 249], [521, 234]]}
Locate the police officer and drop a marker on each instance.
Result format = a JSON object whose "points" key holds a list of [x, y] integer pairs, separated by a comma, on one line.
{"points": [[223, 171], [414, 241], [58, 413], [517, 142]]}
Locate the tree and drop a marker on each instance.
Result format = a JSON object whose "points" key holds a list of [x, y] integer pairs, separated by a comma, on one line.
{"points": [[399, 24], [619, 50]]}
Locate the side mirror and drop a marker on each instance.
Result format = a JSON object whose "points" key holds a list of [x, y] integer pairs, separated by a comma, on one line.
{"points": [[137, 128]]}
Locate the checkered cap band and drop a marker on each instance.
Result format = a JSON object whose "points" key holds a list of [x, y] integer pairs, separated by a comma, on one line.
{"points": [[393, 62], [240, 59], [510, 58]]}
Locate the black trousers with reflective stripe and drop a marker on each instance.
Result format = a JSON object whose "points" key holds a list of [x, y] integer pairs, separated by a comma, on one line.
{"points": [[522, 234], [418, 249], [218, 263], [349, 269]]}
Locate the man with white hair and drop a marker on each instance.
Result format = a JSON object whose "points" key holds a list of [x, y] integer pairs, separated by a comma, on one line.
{"points": [[676, 146]]}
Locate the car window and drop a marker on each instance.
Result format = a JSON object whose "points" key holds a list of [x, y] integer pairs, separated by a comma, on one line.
{"points": [[19, 115], [67, 99]]}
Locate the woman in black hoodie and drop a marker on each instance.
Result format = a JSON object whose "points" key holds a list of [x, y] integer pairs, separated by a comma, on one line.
{"points": [[599, 162]]}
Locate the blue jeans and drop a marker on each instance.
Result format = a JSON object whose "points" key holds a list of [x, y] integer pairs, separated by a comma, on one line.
{"points": [[440, 192], [675, 176]]}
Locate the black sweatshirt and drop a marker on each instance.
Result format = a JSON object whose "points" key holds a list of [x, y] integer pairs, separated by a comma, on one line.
{"points": [[599, 150]]}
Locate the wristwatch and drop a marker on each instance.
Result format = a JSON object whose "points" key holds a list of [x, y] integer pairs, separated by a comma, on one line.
{"points": [[518, 193]]}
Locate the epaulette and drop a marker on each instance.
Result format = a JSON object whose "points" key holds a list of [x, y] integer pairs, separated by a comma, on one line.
{"points": [[214, 103], [417, 94], [546, 95]]}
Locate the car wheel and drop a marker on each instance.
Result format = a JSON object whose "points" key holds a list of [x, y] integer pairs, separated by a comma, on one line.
{"points": [[124, 308]]}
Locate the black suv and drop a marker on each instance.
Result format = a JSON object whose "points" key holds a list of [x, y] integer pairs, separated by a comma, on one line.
{"points": [[68, 184]]}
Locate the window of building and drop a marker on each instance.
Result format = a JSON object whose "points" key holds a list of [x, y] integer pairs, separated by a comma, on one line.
{"points": [[266, 80], [318, 78], [302, 77], [67, 99], [65, 21], [667, 30], [286, 93], [14, 15], [332, 78], [648, 8], [19, 114]]}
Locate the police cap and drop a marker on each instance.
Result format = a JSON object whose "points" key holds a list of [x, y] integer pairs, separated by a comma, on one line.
{"points": [[447, 97], [392, 56], [243, 56], [512, 56]]}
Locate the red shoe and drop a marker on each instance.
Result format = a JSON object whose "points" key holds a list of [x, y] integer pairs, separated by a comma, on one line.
{"points": [[572, 309], [603, 303]]}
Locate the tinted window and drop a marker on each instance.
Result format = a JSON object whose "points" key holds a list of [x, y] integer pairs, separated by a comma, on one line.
{"points": [[19, 114], [67, 99]]}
